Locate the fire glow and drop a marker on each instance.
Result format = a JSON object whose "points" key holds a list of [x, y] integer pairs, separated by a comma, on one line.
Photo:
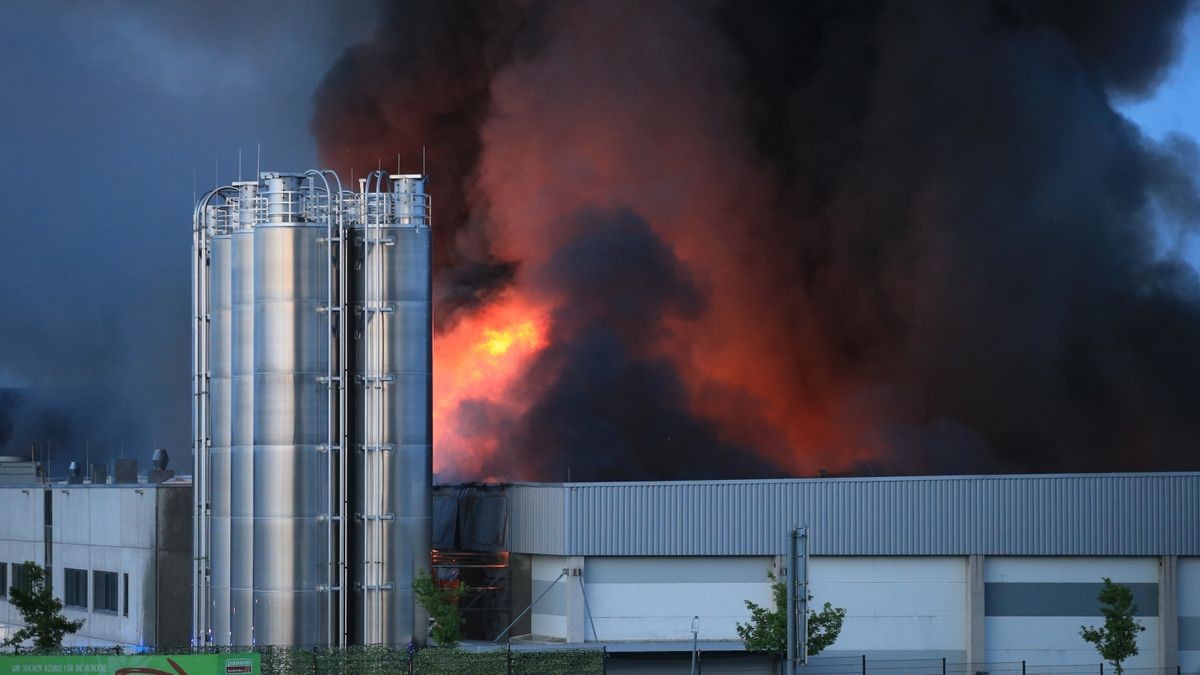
{"points": [[478, 360]]}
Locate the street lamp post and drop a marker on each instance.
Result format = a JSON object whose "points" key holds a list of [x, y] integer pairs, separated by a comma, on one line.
{"points": [[695, 641]]}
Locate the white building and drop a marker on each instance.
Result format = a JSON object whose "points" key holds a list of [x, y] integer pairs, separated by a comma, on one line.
{"points": [[120, 557], [976, 569]]}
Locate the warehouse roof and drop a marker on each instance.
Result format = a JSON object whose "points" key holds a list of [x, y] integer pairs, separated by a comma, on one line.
{"points": [[1049, 514]]}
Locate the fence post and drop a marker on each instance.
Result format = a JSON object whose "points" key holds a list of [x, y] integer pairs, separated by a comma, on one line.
{"points": [[943, 665], [864, 664], [604, 659], [1022, 666], [508, 659], [1101, 668]]}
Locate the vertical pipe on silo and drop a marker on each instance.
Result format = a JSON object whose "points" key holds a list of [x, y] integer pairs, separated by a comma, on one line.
{"points": [[240, 615], [210, 223], [200, 314]]}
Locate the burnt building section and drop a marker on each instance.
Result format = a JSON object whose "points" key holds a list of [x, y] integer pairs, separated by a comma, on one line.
{"points": [[470, 527]]}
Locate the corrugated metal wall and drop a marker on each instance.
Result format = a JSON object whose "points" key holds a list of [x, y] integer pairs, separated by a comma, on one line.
{"points": [[1099, 514], [542, 513]]}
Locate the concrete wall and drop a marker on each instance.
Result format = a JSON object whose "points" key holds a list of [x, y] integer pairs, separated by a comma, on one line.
{"points": [[21, 536], [1036, 606], [143, 531], [1188, 580], [173, 561], [656, 598], [110, 529], [896, 607], [549, 614], [964, 609]]}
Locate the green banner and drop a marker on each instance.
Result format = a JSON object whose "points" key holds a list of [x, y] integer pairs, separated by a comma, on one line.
{"points": [[149, 664]]}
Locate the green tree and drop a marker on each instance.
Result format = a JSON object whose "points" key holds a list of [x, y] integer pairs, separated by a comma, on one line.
{"points": [[767, 629], [442, 606], [41, 611], [1117, 639]]}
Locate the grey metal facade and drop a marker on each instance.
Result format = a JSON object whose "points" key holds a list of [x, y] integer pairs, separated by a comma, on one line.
{"points": [[1084, 514]]}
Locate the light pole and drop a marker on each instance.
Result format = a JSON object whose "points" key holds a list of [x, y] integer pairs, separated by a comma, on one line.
{"points": [[695, 641]]}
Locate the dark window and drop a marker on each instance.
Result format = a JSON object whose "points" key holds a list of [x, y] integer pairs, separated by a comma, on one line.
{"points": [[75, 588], [3, 580], [104, 585], [19, 580], [125, 600]]}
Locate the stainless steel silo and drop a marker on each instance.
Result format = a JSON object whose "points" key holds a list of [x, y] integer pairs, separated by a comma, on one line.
{"points": [[391, 365], [312, 422], [241, 486], [291, 413]]}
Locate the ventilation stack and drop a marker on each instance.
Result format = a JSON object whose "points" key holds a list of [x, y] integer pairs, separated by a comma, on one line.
{"points": [[312, 364]]}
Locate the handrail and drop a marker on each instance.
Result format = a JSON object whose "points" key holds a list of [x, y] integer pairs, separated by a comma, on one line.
{"points": [[201, 438], [335, 402]]}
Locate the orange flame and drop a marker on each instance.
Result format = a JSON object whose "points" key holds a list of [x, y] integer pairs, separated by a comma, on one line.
{"points": [[497, 342], [478, 360]]}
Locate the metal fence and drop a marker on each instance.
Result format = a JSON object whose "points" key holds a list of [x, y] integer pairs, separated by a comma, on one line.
{"points": [[861, 665], [390, 660]]}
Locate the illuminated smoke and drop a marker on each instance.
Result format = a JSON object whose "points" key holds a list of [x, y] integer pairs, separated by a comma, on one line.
{"points": [[771, 238]]}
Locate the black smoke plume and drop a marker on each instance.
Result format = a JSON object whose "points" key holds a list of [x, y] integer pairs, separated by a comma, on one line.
{"points": [[418, 93], [954, 253]]}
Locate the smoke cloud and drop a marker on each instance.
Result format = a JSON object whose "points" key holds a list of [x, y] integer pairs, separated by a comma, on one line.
{"points": [[116, 112], [771, 237]]}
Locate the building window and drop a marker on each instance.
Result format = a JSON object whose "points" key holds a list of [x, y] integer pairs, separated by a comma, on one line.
{"points": [[125, 600], [3, 580], [18, 574], [75, 588], [104, 585]]}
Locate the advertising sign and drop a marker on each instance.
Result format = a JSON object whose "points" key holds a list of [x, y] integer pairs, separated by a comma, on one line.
{"points": [[148, 664]]}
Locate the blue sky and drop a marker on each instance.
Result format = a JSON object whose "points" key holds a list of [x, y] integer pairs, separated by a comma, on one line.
{"points": [[1175, 107]]}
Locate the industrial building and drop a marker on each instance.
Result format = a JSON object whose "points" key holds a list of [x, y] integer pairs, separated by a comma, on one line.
{"points": [[990, 571], [119, 553], [972, 569]]}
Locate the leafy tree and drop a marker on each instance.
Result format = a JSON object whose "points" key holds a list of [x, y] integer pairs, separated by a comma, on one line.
{"points": [[41, 611], [767, 629], [1117, 640], [442, 606]]}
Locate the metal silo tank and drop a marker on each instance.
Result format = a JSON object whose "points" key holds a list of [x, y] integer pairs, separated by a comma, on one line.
{"points": [[291, 481], [392, 430], [220, 431], [240, 611]]}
